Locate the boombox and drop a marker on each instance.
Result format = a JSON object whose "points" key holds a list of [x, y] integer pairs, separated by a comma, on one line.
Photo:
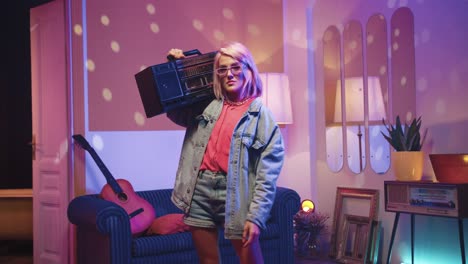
{"points": [[177, 83]]}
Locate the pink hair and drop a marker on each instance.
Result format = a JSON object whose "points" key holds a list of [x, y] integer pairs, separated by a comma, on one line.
{"points": [[253, 84]]}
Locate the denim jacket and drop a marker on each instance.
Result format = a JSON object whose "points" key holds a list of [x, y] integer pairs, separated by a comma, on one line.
{"points": [[255, 161]]}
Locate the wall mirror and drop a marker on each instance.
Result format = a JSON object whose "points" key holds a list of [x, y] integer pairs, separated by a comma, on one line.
{"points": [[354, 228], [377, 91], [354, 96], [357, 100], [403, 61], [332, 75]]}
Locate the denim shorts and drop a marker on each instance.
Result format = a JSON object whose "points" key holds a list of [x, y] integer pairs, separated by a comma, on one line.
{"points": [[208, 203]]}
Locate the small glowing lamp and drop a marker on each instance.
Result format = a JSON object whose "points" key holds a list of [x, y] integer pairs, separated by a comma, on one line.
{"points": [[308, 206]]}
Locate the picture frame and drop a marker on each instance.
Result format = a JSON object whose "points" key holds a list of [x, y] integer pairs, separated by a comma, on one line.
{"points": [[353, 246], [375, 240], [354, 221]]}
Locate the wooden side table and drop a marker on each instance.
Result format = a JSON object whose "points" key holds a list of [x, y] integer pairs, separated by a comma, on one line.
{"points": [[395, 225], [430, 199]]}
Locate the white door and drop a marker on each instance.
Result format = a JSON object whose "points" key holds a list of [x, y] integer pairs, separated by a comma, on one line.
{"points": [[51, 128]]}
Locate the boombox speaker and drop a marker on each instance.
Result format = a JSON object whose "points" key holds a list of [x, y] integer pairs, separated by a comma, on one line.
{"points": [[177, 83]]}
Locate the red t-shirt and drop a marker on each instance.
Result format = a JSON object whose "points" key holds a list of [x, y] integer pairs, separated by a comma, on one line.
{"points": [[217, 151]]}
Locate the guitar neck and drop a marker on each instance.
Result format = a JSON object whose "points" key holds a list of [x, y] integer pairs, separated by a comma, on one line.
{"points": [[107, 174]]}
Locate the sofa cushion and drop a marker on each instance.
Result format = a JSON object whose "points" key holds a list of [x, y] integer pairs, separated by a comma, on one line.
{"points": [[162, 244], [168, 224], [271, 232]]}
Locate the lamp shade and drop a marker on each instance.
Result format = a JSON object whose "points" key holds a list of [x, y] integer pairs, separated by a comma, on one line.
{"points": [[354, 99], [276, 96]]}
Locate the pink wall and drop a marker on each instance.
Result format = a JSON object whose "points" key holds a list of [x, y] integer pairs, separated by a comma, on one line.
{"points": [[147, 154], [124, 37]]}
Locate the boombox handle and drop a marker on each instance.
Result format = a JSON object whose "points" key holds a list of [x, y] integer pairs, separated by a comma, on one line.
{"points": [[186, 54]]}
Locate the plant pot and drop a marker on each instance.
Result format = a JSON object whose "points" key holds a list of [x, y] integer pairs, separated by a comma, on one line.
{"points": [[407, 165], [308, 244]]}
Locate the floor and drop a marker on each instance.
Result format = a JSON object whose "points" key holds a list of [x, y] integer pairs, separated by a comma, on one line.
{"points": [[16, 252], [315, 260], [18, 259], [316, 257], [20, 252]]}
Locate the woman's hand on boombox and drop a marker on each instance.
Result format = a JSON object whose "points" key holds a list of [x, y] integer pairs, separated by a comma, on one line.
{"points": [[175, 54]]}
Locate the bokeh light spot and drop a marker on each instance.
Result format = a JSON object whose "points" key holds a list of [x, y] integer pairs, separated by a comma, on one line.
{"points": [[403, 81], [78, 30], [228, 13], [150, 9], [352, 45], [396, 32], [218, 35], [383, 70], [90, 65], [107, 94], [421, 84], [409, 116], [370, 39], [115, 46], [197, 24], [98, 143], [154, 27], [105, 20], [139, 118], [391, 3], [395, 46]]}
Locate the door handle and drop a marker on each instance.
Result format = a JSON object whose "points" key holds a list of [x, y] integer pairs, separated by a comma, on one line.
{"points": [[33, 144]]}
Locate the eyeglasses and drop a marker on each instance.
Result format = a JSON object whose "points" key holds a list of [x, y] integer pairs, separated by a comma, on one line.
{"points": [[236, 69]]}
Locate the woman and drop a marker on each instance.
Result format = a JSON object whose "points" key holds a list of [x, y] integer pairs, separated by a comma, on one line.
{"points": [[231, 158]]}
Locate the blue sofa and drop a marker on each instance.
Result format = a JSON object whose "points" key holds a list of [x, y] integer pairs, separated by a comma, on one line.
{"points": [[103, 233]]}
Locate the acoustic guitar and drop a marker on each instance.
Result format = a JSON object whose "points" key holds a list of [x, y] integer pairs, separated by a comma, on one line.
{"points": [[121, 192]]}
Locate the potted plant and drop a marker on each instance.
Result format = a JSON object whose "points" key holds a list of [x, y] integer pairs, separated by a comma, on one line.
{"points": [[408, 158], [308, 227]]}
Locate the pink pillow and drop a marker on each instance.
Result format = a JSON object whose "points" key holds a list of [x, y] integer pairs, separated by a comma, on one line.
{"points": [[168, 224]]}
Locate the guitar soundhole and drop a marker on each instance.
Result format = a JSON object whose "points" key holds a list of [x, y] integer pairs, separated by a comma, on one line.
{"points": [[122, 197]]}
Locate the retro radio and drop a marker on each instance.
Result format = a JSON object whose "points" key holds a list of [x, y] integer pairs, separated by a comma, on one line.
{"points": [[429, 198], [177, 83]]}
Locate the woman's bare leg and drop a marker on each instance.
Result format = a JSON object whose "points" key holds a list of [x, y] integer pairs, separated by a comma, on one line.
{"points": [[206, 244], [252, 254]]}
